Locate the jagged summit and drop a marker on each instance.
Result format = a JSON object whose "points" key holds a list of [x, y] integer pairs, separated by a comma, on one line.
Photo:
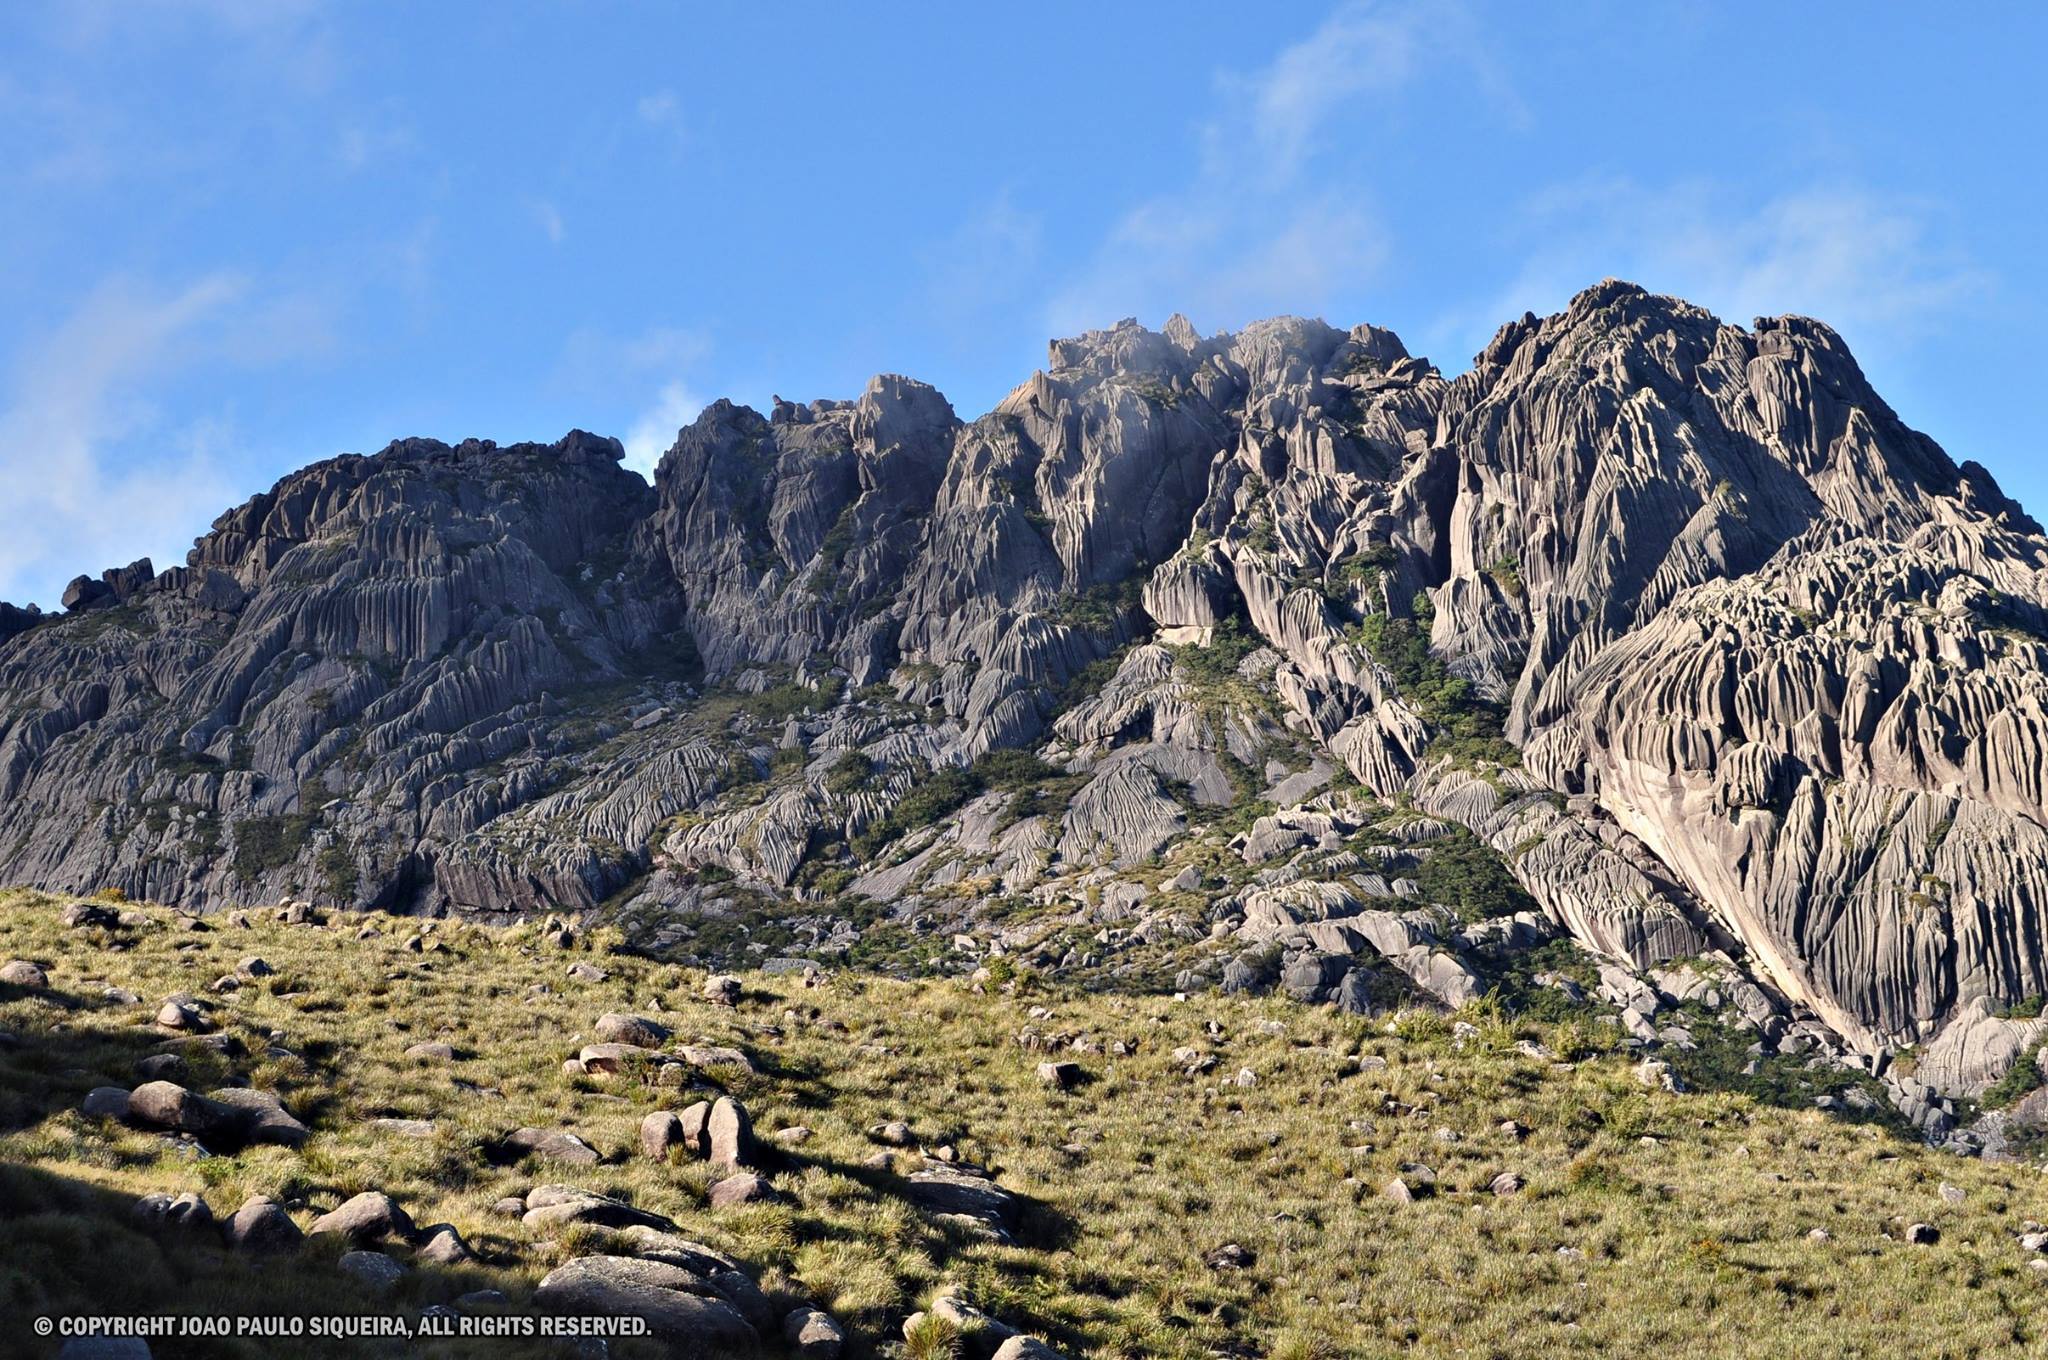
{"points": [[1675, 616]]}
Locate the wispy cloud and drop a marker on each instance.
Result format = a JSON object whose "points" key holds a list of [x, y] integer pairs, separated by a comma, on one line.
{"points": [[662, 111], [1252, 233], [619, 371], [1868, 264], [82, 398], [549, 218], [655, 430]]}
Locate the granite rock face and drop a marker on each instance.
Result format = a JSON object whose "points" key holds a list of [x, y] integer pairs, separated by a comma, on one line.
{"points": [[1674, 617]]}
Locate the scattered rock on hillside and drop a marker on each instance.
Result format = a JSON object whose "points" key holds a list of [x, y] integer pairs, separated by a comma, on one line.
{"points": [[182, 1016], [636, 1030], [735, 1191], [431, 1051], [443, 1245], [167, 1105], [87, 916], [365, 1218], [374, 1270], [264, 1117], [606, 1060], [173, 1211], [556, 1145], [812, 1334], [105, 1102], [1061, 1076], [659, 1132], [558, 1206], [1230, 1256], [729, 1134], [722, 989], [22, 973], [1026, 1348], [671, 1300], [945, 1190], [261, 1225]]}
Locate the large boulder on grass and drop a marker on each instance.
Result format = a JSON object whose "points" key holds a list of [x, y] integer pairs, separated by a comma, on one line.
{"points": [[261, 1225], [167, 1105], [636, 1030], [367, 1217], [729, 1134], [672, 1301], [264, 1117]]}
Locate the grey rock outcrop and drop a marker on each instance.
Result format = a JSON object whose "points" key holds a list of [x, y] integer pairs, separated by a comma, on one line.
{"points": [[1675, 618]]}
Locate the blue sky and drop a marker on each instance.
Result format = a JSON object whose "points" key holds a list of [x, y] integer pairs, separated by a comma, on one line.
{"points": [[242, 235]]}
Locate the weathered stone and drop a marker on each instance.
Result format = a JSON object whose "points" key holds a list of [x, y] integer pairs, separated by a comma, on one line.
{"points": [[366, 1217], [636, 1030], [173, 1211], [21, 973], [105, 1102], [374, 1270], [812, 1335], [554, 1145], [729, 1134], [261, 1225], [668, 1298], [731, 1192], [659, 1132]]}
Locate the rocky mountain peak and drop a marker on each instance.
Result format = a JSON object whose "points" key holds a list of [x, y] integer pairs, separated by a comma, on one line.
{"points": [[1674, 618]]}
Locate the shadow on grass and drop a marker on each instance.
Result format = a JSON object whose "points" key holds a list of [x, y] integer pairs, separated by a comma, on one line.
{"points": [[72, 1249]]}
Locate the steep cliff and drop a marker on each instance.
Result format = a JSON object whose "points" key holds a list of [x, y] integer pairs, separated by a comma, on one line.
{"points": [[1671, 623]]}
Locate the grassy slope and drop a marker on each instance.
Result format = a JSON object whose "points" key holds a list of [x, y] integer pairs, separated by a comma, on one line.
{"points": [[1696, 1241]]}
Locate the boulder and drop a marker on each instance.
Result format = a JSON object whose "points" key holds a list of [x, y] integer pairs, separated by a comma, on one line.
{"points": [[634, 1030], [105, 1102], [554, 1145], [1061, 1076], [173, 1211], [550, 1207], [659, 1132], [729, 1134], [696, 1129], [442, 1245], [942, 1190], [264, 1117], [432, 1051], [669, 1299], [367, 1217], [1026, 1348], [261, 1225], [375, 1271], [812, 1335], [722, 989], [22, 973], [734, 1191], [609, 1059], [167, 1105]]}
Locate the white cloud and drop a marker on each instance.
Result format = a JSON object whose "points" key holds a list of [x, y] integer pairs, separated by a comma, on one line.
{"points": [[655, 430], [550, 219], [618, 372], [71, 404], [663, 112], [1866, 264], [1252, 234]]}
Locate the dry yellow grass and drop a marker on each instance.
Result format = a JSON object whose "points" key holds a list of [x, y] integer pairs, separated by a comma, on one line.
{"points": [[1650, 1223]]}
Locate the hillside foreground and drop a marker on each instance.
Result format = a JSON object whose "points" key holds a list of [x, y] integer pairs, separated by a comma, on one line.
{"points": [[1214, 1176]]}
